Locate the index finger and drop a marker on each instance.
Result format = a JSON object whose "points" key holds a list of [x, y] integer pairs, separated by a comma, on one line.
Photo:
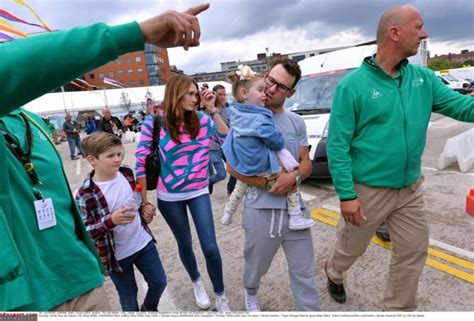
{"points": [[197, 9]]}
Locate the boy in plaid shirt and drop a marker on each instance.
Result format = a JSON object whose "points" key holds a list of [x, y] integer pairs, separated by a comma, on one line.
{"points": [[121, 235]]}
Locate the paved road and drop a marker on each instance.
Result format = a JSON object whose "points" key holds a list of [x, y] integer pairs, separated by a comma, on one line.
{"points": [[447, 282]]}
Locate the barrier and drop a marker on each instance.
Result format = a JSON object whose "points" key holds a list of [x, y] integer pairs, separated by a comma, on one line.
{"points": [[130, 136], [470, 202], [459, 148]]}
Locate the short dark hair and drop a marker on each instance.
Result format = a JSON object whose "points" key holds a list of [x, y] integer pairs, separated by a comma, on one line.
{"points": [[291, 67], [217, 87], [99, 142]]}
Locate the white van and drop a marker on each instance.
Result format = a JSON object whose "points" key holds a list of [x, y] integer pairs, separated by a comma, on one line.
{"points": [[460, 85], [462, 73], [313, 96]]}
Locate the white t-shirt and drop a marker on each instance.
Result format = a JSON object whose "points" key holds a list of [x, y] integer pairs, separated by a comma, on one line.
{"points": [[129, 238]]}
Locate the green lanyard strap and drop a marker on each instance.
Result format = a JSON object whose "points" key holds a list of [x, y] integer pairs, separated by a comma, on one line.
{"points": [[22, 155]]}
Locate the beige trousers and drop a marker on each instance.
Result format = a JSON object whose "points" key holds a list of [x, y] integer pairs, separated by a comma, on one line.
{"points": [[94, 300], [402, 210]]}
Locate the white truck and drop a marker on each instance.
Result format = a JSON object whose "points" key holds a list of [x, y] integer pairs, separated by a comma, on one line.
{"points": [[313, 96]]}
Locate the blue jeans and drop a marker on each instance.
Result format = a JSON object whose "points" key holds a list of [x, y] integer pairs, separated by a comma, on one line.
{"points": [[176, 216], [217, 170], [75, 141], [148, 263]]}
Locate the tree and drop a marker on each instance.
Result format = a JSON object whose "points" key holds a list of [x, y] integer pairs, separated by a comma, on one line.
{"points": [[125, 100]]}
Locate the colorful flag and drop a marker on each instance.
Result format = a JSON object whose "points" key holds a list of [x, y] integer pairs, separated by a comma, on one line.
{"points": [[4, 37], [8, 16], [5, 27], [24, 4], [113, 82]]}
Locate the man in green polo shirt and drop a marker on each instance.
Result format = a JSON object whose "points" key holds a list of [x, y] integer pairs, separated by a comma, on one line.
{"points": [[377, 134]]}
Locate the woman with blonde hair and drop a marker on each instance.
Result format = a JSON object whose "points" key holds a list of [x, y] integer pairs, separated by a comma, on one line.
{"points": [[184, 140]]}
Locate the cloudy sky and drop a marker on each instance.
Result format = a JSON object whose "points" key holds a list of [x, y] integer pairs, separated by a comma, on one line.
{"points": [[239, 29]]}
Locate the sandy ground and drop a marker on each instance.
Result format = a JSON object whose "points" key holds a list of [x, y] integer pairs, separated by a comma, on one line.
{"points": [[445, 193]]}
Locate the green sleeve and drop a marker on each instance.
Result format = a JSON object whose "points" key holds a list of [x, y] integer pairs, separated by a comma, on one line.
{"points": [[341, 131], [451, 103], [35, 65]]}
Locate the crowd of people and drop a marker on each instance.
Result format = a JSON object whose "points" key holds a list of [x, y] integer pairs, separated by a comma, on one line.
{"points": [[57, 248]]}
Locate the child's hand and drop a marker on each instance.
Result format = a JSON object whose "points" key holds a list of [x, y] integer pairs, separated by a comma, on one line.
{"points": [[148, 211], [121, 216]]}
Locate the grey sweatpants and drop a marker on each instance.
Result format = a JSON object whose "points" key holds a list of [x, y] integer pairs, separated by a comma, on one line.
{"points": [[265, 231]]}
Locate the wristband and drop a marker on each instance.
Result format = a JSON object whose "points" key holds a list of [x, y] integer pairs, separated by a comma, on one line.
{"points": [[212, 114], [269, 185]]}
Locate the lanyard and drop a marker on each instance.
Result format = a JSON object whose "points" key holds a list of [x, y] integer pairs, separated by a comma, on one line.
{"points": [[24, 156]]}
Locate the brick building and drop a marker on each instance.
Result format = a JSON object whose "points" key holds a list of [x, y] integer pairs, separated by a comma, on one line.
{"points": [[150, 67]]}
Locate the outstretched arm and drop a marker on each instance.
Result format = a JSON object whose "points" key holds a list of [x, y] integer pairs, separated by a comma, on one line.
{"points": [[51, 60]]}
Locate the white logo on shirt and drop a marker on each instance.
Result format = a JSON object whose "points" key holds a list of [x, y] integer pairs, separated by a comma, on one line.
{"points": [[376, 94], [417, 82]]}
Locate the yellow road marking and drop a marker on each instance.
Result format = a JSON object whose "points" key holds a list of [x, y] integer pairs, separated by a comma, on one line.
{"points": [[331, 218]]}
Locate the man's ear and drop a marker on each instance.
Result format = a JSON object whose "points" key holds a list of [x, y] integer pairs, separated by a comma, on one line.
{"points": [[394, 33], [290, 93]]}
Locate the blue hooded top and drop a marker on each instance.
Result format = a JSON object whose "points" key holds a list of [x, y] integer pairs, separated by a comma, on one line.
{"points": [[252, 141]]}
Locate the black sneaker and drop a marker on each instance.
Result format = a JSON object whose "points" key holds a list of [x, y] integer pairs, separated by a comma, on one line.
{"points": [[336, 291], [384, 236]]}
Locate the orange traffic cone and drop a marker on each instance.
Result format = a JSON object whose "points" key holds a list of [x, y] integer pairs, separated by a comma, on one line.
{"points": [[470, 202]]}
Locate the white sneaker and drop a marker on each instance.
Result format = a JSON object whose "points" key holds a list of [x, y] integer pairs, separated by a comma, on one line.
{"points": [[251, 303], [226, 219], [222, 303], [202, 299], [300, 222]]}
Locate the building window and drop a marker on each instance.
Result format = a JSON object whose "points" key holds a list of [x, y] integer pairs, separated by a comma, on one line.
{"points": [[142, 82], [264, 67], [111, 74], [139, 70], [138, 59], [91, 76], [130, 71], [132, 83], [127, 60], [101, 75], [120, 72], [150, 59]]}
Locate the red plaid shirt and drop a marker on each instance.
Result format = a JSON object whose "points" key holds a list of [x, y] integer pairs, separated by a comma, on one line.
{"points": [[98, 219]]}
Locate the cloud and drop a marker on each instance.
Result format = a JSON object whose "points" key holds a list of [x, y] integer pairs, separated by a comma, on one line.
{"points": [[234, 30]]}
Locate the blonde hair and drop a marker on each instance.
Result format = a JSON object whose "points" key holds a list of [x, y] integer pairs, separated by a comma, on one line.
{"points": [[99, 142], [238, 82]]}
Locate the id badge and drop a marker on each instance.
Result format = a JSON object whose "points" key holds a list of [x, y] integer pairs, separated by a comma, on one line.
{"points": [[45, 214]]}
